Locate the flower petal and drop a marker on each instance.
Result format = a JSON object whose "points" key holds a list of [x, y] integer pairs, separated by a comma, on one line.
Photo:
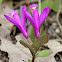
{"points": [[15, 16], [23, 30], [30, 18], [33, 6], [36, 15], [12, 12], [10, 19], [44, 15], [24, 17], [36, 19], [18, 25]]}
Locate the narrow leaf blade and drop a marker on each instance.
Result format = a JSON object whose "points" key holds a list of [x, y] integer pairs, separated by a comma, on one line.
{"points": [[41, 31], [27, 46], [31, 33]]}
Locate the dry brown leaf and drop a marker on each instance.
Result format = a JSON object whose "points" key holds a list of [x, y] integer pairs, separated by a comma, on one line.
{"points": [[14, 52], [0, 60], [5, 33], [4, 10], [18, 53], [21, 37], [9, 3]]}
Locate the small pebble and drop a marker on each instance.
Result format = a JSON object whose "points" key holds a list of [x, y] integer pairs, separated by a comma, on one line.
{"points": [[54, 25], [57, 30]]}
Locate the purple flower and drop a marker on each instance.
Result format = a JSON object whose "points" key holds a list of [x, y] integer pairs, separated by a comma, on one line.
{"points": [[37, 20], [20, 23], [33, 6]]}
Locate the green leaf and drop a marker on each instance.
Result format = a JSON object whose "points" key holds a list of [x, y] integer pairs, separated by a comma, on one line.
{"points": [[27, 46], [24, 44], [46, 3], [56, 4], [41, 31], [40, 41], [29, 60], [53, 4], [31, 33], [1, 1], [44, 53]]}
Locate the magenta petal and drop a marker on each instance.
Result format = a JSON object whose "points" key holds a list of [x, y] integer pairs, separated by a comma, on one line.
{"points": [[36, 19], [30, 18], [24, 8], [15, 16], [18, 25], [33, 6], [37, 34], [24, 17], [44, 15], [36, 15], [23, 30], [12, 12], [10, 19]]}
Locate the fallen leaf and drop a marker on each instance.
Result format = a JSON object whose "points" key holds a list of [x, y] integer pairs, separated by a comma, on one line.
{"points": [[4, 33], [4, 10], [21, 37], [18, 53], [0, 60], [15, 53]]}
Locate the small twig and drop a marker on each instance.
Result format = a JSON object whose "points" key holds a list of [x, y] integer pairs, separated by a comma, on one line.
{"points": [[23, 2], [28, 5], [58, 13], [39, 7], [54, 32], [27, 2], [20, 11], [57, 18]]}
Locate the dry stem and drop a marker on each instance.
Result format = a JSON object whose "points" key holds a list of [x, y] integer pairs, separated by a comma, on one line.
{"points": [[57, 18]]}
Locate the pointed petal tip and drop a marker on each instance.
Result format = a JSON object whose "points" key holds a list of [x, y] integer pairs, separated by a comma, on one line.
{"points": [[5, 15], [26, 35], [12, 12], [48, 8], [44, 15], [24, 8], [38, 35]]}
